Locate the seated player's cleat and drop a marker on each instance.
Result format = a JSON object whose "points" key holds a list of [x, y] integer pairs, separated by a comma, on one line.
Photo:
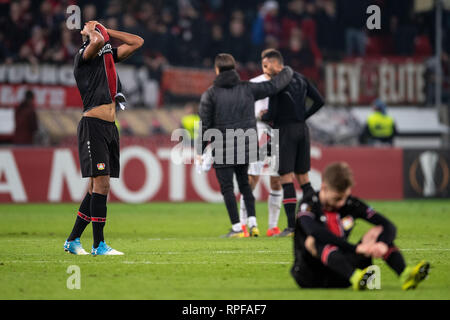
{"points": [[74, 247], [234, 234], [360, 278], [254, 232], [412, 276], [273, 231], [245, 230], [104, 250], [288, 232]]}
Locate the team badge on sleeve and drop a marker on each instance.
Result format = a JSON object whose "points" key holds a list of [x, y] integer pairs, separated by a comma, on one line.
{"points": [[347, 223], [101, 166]]}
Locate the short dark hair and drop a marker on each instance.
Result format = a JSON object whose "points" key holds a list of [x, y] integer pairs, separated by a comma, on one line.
{"points": [[224, 62], [338, 176], [272, 54]]}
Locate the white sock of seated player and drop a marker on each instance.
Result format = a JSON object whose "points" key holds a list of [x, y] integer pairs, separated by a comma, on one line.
{"points": [[242, 211], [236, 227], [252, 222], [274, 204]]}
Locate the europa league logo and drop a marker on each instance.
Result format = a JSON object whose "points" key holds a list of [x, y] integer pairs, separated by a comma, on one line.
{"points": [[429, 162]]}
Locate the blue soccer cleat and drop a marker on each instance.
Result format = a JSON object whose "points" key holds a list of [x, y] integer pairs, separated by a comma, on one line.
{"points": [[74, 247], [104, 250]]}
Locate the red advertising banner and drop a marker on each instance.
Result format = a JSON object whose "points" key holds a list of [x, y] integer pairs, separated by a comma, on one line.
{"points": [[46, 96], [150, 174]]}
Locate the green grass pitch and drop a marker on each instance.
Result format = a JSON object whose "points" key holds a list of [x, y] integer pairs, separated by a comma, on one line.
{"points": [[173, 251]]}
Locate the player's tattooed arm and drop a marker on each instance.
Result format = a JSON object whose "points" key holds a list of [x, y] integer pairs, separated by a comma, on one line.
{"points": [[131, 43], [96, 41]]}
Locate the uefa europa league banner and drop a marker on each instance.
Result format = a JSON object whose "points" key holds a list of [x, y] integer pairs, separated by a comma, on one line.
{"points": [[426, 173]]}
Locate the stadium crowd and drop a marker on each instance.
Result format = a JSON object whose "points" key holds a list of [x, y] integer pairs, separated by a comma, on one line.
{"points": [[190, 32]]}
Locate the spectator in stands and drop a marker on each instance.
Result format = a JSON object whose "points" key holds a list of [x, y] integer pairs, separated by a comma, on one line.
{"points": [[26, 120], [299, 54], [216, 45], [16, 28], [5, 54], [271, 20], [89, 12], [33, 50], [64, 51], [329, 31], [237, 43], [353, 16], [380, 127], [266, 25], [131, 25]]}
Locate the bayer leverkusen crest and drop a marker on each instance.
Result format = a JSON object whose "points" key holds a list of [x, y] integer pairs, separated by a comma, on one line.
{"points": [[100, 166]]}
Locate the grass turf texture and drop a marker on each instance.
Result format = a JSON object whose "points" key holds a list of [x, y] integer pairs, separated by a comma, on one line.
{"points": [[173, 251]]}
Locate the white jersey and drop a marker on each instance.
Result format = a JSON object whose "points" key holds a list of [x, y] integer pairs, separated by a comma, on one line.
{"points": [[262, 104], [260, 167]]}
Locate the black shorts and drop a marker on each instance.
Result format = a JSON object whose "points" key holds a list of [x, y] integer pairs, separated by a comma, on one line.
{"points": [[309, 272], [295, 149], [98, 148]]}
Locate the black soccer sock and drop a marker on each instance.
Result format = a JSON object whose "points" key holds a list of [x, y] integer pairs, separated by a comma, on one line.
{"points": [[336, 261], [98, 212], [307, 189], [289, 203], [83, 218], [395, 260]]}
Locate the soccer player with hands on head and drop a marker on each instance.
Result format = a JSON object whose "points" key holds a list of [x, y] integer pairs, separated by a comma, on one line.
{"points": [[98, 138]]}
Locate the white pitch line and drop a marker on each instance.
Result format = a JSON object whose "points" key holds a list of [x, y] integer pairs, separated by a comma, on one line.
{"points": [[213, 252], [205, 262], [147, 262], [424, 249]]}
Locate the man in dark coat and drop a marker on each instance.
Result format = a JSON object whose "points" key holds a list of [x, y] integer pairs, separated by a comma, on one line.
{"points": [[228, 121]]}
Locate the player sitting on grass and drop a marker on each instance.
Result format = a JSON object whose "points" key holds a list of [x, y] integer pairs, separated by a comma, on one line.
{"points": [[324, 258]]}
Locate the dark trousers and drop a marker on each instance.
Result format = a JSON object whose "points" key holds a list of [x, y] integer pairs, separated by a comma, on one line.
{"points": [[225, 178]]}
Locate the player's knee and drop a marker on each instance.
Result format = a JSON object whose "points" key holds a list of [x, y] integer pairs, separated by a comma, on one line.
{"points": [[302, 178], [101, 185], [310, 245], [91, 186], [286, 178], [253, 181], [275, 183]]}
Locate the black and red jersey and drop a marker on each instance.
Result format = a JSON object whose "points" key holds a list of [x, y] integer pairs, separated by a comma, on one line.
{"points": [[97, 78], [339, 222], [336, 226]]}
